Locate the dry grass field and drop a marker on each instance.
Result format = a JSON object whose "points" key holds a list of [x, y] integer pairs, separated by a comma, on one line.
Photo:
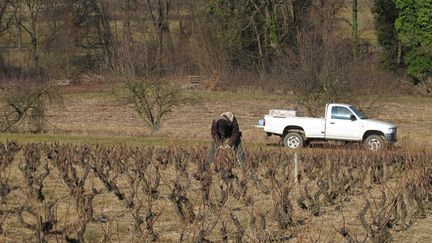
{"points": [[92, 113], [99, 186]]}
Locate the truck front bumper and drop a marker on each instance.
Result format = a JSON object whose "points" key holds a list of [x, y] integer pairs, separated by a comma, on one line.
{"points": [[391, 138]]}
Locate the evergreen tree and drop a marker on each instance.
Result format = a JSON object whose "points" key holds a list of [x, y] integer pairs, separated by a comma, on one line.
{"points": [[414, 26], [385, 15]]}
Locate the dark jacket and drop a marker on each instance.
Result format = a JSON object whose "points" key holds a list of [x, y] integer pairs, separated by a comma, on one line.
{"points": [[223, 128]]}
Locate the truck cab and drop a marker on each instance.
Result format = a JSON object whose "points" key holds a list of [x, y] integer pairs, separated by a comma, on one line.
{"points": [[345, 122], [341, 122]]}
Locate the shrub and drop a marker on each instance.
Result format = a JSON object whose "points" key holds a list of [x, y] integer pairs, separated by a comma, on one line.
{"points": [[23, 106], [153, 100]]}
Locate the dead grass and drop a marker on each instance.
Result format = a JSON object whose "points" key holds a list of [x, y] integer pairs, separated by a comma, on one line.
{"points": [[94, 112], [419, 232], [91, 113]]}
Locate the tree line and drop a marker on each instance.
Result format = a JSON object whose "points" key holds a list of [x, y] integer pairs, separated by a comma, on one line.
{"points": [[313, 42]]}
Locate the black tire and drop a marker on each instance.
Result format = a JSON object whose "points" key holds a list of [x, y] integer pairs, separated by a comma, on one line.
{"points": [[374, 142], [293, 140]]}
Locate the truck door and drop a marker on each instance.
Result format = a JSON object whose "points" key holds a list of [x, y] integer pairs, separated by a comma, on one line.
{"points": [[341, 123]]}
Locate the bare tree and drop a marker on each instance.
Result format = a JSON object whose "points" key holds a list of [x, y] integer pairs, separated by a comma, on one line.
{"points": [[355, 31], [104, 31], [3, 10], [159, 11], [4, 25], [153, 100], [33, 9], [23, 105], [320, 59], [127, 7]]}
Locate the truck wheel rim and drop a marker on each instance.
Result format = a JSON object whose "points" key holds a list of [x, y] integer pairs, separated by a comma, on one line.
{"points": [[293, 142], [374, 144]]}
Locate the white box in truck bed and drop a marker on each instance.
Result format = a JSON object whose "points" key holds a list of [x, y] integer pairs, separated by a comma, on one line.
{"points": [[283, 113]]}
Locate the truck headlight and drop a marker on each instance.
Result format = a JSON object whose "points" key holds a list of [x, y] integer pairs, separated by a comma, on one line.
{"points": [[392, 130]]}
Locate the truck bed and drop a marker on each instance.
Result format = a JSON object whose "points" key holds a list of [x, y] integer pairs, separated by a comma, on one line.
{"points": [[314, 127]]}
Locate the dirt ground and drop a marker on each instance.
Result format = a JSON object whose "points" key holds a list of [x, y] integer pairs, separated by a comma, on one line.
{"points": [[419, 232]]}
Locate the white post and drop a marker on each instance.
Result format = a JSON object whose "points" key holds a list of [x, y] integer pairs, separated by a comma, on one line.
{"points": [[296, 168]]}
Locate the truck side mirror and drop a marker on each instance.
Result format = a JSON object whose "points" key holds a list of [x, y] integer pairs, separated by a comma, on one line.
{"points": [[353, 118]]}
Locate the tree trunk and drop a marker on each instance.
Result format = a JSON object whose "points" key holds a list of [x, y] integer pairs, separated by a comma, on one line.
{"points": [[2, 64], [19, 30], [165, 50], [3, 7], [399, 54], [127, 30], [355, 33], [34, 42], [105, 34], [34, 7]]}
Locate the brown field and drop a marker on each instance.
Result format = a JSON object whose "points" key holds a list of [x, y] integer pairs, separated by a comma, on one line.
{"points": [[93, 111], [90, 114]]}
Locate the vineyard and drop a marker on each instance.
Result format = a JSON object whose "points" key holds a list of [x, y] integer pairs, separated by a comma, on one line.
{"points": [[93, 193]]}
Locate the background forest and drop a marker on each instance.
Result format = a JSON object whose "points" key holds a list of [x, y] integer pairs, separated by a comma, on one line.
{"points": [[313, 44]]}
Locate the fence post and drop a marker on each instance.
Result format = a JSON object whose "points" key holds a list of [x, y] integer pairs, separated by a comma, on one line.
{"points": [[296, 168]]}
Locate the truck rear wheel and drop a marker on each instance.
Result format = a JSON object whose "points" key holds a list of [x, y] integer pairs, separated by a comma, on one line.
{"points": [[374, 142], [293, 140]]}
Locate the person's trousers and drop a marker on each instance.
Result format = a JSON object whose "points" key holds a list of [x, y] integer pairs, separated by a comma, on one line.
{"points": [[238, 149]]}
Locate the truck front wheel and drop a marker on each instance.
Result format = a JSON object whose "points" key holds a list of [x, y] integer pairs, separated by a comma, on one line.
{"points": [[293, 140], [374, 142]]}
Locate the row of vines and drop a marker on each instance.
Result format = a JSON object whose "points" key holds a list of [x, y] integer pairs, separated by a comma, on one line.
{"points": [[94, 193]]}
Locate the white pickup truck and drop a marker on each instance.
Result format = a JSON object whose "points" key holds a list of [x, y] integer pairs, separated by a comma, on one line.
{"points": [[342, 122]]}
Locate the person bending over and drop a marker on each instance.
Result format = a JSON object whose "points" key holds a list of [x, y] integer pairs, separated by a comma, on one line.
{"points": [[226, 133]]}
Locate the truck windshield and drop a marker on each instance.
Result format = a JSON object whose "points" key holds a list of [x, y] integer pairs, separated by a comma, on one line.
{"points": [[358, 113]]}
